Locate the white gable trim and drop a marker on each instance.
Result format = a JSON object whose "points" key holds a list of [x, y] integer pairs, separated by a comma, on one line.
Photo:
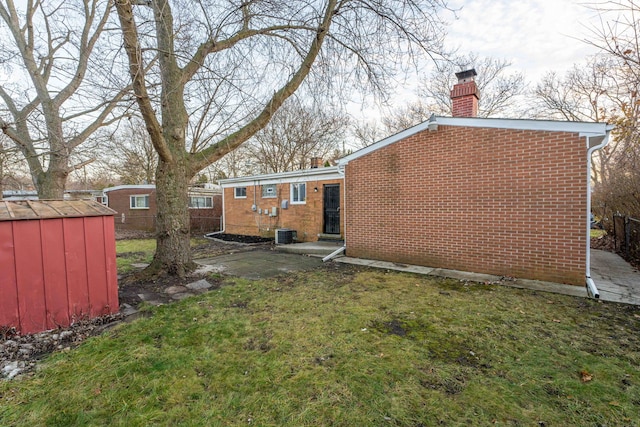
{"points": [[130, 187], [581, 128], [317, 174]]}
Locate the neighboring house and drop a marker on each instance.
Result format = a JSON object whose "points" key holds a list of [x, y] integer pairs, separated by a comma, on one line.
{"points": [[137, 209], [498, 196], [307, 201]]}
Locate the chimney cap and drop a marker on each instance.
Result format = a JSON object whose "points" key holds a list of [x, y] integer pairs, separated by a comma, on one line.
{"points": [[466, 75]]}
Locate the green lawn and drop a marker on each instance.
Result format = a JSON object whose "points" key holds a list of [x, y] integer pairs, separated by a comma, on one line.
{"points": [[347, 347], [133, 251]]}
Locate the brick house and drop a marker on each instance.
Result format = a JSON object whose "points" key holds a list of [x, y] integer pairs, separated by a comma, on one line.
{"points": [[498, 196], [307, 201], [137, 209]]}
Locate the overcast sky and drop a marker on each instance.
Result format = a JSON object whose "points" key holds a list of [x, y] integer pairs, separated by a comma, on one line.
{"points": [[535, 35]]}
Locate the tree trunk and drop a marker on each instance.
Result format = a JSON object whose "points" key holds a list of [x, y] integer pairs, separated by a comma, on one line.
{"points": [[51, 184], [173, 252]]}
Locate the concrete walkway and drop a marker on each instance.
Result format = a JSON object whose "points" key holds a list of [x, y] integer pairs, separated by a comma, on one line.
{"points": [[615, 279]]}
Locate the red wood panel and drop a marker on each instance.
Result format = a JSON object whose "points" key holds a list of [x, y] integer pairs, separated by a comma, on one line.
{"points": [[110, 257], [96, 266], [29, 276], [55, 273], [76, 266], [9, 314]]}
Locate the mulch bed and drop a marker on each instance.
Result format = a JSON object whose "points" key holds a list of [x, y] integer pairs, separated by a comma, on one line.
{"points": [[238, 238]]}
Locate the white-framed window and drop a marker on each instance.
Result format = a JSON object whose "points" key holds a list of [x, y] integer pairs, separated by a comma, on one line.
{"points": [[139, 201], [268, 191], [299, 193], [200, 202], [103, 199], [240, 192]]}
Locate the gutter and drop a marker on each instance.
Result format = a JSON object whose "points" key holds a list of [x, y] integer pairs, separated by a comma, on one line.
{"points": [[592, 290]]}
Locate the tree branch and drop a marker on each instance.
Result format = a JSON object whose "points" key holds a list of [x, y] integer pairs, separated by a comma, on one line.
{"points": [[137, 73], [216, 151]]}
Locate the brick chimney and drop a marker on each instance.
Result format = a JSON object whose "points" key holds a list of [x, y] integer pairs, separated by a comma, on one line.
{"points": [[465, 95], [316, 162]]}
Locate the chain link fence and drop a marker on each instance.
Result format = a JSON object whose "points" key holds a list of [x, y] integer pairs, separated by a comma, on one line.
{"points": [[199, 224], [626, 233]]}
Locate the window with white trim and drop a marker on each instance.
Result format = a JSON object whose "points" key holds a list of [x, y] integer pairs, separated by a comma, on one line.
{"points": [[139, 201], [299, 193], [268, 191], [240, 192], [200, 202]]}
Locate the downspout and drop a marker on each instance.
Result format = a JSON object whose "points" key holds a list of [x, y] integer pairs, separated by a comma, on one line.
{"points": [[592, 290], [344, 228], [223, 226]]}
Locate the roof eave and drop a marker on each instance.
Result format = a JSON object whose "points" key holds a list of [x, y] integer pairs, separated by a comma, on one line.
{"points": [[589, 129]]}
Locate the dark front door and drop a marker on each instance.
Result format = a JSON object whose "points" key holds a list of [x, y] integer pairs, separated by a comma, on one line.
{"points": [[332, 209]]}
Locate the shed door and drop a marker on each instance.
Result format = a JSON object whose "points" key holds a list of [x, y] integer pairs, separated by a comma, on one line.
{"points": [[332, 209]]}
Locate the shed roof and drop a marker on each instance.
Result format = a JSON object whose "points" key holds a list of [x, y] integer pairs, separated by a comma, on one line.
{"points": [[42, 209]]}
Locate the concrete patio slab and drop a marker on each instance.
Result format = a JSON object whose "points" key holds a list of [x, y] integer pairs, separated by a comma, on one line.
{"points": [[260, 264]]}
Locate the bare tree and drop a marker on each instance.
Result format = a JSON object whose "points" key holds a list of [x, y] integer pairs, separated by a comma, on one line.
{"points": [[589, 92], [11, 166], [406, 116], [500, 93], [294, 135], [50, 52], [366, 132], [244, 59], [131, 155], [499, 88], [618, 39], [234, 164]]}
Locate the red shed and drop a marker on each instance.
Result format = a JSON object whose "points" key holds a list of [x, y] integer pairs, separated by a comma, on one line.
{"points": [[57, 263]]}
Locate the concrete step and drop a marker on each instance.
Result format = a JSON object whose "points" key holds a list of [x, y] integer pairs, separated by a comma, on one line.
{"points": [[330, 238], [310, 248]]}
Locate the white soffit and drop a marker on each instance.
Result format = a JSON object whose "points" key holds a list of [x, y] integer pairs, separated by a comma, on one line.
{"points": [[317, 174]]}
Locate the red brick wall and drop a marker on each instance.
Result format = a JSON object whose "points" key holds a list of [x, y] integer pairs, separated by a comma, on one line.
{"points": [[207, 220], [202, 220], [134, 219], [495, 201], [307, 219]]}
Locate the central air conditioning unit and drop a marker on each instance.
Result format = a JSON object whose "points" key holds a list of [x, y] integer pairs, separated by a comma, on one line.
{"points": [[285, 236]]}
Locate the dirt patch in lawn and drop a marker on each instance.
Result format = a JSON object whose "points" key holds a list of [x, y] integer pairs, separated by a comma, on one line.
{"points": [[135, 288]]}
